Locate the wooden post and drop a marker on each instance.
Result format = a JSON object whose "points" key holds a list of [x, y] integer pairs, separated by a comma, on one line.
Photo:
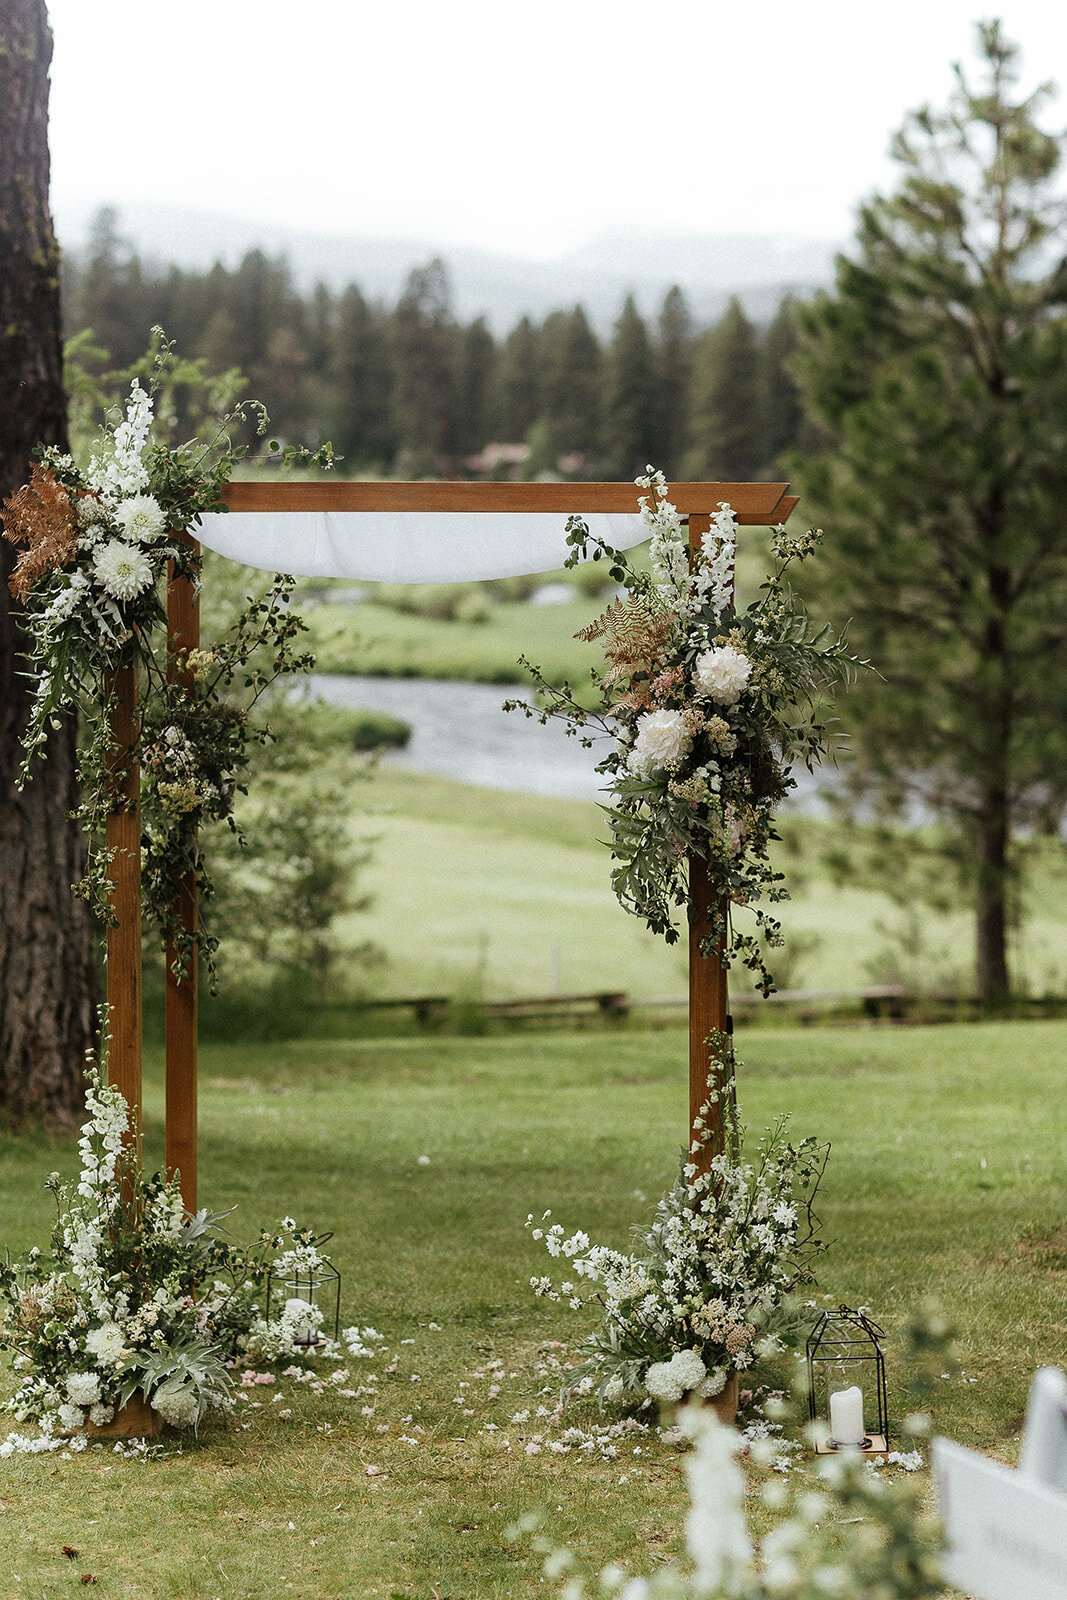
{"points": [[180, 1137], [123, 841], [708, 998]]}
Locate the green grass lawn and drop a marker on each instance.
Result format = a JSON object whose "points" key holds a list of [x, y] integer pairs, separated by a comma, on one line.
{"points": [[479, 892], [947, 1176]]}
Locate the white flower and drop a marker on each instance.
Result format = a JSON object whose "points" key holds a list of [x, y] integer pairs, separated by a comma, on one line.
{"points": [[662, 738], [715, 1532], [713, 1384], [613, 1390], [71, 1418], [663, 1383], [141, 518], [83, 1388], [106, 1344], [101, 1414], [721, 674], [122, 569], [177, 1404], [688, 1369]]}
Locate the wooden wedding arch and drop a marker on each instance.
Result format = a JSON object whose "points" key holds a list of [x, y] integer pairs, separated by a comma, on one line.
{"points": [[754, 504]]}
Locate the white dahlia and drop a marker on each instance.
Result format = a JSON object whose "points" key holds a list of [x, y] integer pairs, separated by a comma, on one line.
{"points": [[141, 519], [662, 739], [722, 673], [122, 569]]}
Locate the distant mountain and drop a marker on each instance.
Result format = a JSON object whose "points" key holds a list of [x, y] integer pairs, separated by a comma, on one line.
{"points": [[758, 269]]}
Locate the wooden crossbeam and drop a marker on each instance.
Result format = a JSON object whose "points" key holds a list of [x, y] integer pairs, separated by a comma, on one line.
{"points": [[754, 504]]}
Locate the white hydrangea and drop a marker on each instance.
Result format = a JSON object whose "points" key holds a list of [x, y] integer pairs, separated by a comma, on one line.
{"points": [[721, 674], [123, 570], [689, 1369], [713, 1384], [662, 739], [141, 519], [614, 1390], [71, 1418], [663, 1384], [101, 1414], [177, 1404], [83, 1388]]}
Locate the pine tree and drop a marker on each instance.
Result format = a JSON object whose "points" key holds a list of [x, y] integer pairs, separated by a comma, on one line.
{"points": [[674, 370], [725, 425], [939, 367], [423, 337], [361, 380], [518, 383], [475, 387], [47, 983], [781, 410], [570, 385], [629, 436]]}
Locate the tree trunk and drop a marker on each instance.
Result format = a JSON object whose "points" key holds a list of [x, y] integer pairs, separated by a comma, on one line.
{"points": [[47, 974], [991, 892]]}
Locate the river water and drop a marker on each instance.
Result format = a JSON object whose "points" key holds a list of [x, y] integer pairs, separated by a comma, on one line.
{"points": [[459, 731]]}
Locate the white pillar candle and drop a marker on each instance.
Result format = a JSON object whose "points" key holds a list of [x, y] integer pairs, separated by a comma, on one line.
{"points": [[846, 1416]]}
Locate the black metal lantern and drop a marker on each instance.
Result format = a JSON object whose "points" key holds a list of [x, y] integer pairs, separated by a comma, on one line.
{"points": [[846, 1382], [318, 1286]]}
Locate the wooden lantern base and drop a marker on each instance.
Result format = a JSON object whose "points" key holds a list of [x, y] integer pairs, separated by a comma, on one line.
{"points": [[134, 1420], [877, 1447]]}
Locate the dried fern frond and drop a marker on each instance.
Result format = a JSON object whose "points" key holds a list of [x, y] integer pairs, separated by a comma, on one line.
{"points": [[635, 632], [39, 517]]}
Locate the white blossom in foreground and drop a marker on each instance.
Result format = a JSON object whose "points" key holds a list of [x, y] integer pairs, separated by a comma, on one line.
{"points": [[715, 1532], [722, 673], [123, 570], [662, 738]]}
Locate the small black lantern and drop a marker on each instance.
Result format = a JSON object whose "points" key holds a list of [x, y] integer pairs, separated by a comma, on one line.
{"points": [[846, 1383], [318, 1285]]}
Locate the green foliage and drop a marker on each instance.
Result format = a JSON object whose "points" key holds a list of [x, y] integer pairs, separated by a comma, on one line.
{"points": [[287, 868], [938, 368]]}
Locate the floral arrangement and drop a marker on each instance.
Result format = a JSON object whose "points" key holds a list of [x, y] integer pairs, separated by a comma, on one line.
{"points": [[707, 1288], [95, 543], [141, 1298], [708, 709]]}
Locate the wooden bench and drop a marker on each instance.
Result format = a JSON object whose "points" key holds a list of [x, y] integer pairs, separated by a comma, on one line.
{"points": [[427, 1007], [610, 1003]]}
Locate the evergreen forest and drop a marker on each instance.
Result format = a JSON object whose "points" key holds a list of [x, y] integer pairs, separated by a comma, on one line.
{"points": [[408, 390]]}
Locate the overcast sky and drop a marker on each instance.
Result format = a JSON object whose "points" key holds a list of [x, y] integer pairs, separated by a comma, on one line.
{"points": [[524, 128]]}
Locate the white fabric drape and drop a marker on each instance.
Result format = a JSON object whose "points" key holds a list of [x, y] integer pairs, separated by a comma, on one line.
{"points": [[404, 546]]}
